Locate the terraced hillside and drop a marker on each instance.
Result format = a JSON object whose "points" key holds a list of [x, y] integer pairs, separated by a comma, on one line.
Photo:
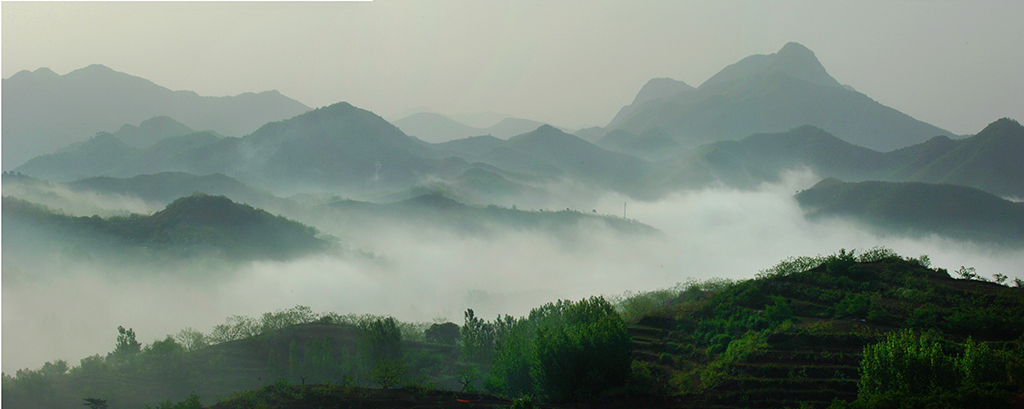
{"points": [[796, 335]]}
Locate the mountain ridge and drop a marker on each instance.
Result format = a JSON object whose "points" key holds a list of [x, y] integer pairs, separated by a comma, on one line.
{"points": [[773, 93], [56, 110]]}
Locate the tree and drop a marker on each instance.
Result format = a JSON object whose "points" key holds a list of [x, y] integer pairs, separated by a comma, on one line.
{"points": [[387, 373], [477, 337], [300, 314], [908, 370], [444, 334], [380, 339], [126, 348], [126, 343], [55, 368], [192, 339], [563, 351], [95, 403], [236, 327], [466, 376]]}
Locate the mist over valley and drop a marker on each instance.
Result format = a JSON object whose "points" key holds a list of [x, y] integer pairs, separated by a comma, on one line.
{"points": [[158, 243]]}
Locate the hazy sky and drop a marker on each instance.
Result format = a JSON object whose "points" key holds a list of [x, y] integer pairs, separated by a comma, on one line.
{"points": [[955, 64]]}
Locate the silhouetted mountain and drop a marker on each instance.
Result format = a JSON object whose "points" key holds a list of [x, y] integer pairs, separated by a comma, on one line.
{"points": [[510, 127], [106, 155], [773, 93], [193, 225], [652, 144], [471, 147], [338, 146], [655, 89], [151, 131], [990, 161], [987, 161], [334, 146], [99, 155], [44, 111], [437, 128], [764, 157], [581, 159], [165, 187], [920, 209]]}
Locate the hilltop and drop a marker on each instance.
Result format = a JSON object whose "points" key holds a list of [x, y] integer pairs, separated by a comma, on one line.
{"points": [[189, 226], [920, 209]]}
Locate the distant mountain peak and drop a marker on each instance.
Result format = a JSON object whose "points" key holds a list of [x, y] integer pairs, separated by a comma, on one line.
{"points": [[1003, 124], [658, 88], [547, 128], [45, 71], [158, 121], [796, 49], [95, 67], [793, 59]]}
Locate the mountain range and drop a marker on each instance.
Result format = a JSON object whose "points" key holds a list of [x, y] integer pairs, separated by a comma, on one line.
{"points": [[342, 149], [987, 161], [436, 128], [768, 93], [43, 111]]}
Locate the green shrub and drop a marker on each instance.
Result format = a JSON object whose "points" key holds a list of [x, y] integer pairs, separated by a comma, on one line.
{"points": [[563, 351], [907, 370]]}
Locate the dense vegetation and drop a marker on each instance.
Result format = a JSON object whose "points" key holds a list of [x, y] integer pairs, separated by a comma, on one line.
{"points": [[849, 330]]}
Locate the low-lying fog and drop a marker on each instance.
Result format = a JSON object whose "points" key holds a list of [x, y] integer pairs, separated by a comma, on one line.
{"points": [[61, 307]]}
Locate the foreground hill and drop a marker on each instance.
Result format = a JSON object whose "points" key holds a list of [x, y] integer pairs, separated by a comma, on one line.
{"points": [[804, 333], [914, 208], [44, 111], [797, 335], [771, 93], [190, 226]]}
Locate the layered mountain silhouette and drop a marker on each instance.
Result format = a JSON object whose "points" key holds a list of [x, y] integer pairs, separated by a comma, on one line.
{"points": [[551, 155], [987, 161], [165, 187], [769, 93], [920, 209], [332, 147], [437, 128], [44, 111], [342, 148]]}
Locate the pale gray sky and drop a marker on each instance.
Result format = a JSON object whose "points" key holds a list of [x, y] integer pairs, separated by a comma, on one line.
{"points": [[955, 64]]}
